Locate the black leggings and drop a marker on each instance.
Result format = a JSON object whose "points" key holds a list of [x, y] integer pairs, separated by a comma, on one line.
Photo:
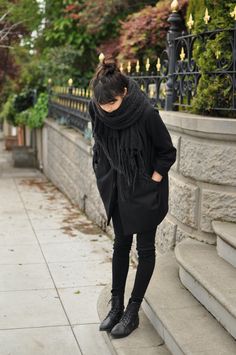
{"points": [[120, 262]]}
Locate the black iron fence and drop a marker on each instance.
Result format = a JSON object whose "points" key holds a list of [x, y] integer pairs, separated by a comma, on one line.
{"points": [[69, 105], [187, 73], [171, 83]]}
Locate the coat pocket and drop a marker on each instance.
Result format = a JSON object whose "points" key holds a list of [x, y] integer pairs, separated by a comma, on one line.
{"points": [[146, 193], [149, 178], [100, 163], [95, 157]]}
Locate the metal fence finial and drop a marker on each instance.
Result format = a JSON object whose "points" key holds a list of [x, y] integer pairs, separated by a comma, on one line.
{"points": [[174, 6], [129, 66], [190, 22], [233, 13], [147, 64], [101, 57], [182, 54], [158, 65], [206, 17]]}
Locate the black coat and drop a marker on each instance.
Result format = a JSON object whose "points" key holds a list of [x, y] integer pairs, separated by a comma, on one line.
{"points": [[148, 205]]}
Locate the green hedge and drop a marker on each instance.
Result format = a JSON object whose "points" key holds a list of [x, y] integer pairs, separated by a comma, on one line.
{"points": [[211, 88], [16, 112]]}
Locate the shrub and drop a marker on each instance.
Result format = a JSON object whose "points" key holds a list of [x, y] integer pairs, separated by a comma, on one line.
{"points": [[8, 112], [213, 55], [34, 116]]}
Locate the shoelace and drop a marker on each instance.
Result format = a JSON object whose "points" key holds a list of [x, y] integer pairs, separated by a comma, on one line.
{"points": [[126, 318], [109, 301], [113, 310]]}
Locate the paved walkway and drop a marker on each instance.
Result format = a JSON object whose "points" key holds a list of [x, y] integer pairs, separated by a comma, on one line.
{"points": [[54, 263]]}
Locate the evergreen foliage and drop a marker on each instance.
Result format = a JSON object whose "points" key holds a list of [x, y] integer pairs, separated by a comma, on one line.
{"points": [[34, 117], [213, 54], [8, 111]]}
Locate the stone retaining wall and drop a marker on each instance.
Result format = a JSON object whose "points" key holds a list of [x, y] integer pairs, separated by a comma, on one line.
{"points": [[67, 162], [202, 180]]}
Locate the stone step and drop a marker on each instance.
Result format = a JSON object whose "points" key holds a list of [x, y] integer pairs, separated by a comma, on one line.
{"points": [[143, 340], [183, 323], [210, 279], [226, 240]]}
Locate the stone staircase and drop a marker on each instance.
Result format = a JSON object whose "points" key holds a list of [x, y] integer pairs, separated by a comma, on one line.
{"points": [[191, 299], [226, 240]]}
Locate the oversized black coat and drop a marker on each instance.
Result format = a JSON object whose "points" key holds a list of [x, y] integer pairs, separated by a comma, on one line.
{"points": [[148, 204]]}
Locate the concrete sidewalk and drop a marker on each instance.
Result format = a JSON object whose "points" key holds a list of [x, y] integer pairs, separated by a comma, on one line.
{"points": [[54, 264]]}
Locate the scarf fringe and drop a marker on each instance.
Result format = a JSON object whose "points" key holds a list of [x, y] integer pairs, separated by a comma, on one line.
{"points": [[120, 138]]}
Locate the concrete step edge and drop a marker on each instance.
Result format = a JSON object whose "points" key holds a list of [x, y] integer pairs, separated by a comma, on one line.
{"points": [[200, 277], [168, 304], [226, 231], [226, 240], [226, 251], [144, 339], [198, 281]]}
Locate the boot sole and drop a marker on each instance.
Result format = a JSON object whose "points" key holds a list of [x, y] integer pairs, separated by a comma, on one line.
{"points": [[105, 330]]}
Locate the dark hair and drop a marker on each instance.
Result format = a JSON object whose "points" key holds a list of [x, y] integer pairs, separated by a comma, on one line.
{"points": [[108, 82]]}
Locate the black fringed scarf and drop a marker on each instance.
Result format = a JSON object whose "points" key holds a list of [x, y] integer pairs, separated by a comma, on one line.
{"points": [[118, 134]]}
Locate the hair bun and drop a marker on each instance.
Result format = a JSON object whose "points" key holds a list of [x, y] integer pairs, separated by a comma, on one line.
{"points": [[109, 66]]}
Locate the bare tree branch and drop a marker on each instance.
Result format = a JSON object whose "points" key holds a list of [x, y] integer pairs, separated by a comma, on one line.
{"points": [[9, 47], [8, 29]]}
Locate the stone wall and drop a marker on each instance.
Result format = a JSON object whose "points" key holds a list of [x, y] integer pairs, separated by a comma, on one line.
{"points": [[67, 162], [202, 180]]}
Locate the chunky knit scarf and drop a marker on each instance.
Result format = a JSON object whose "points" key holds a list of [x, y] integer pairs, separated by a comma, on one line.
{"points": [[118, 134]]}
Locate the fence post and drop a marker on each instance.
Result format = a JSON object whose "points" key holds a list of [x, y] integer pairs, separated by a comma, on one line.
{"points": [[174, 31]]}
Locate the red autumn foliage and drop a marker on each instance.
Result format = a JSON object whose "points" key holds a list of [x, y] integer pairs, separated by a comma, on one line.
{"points": [[142, 33], [94, 15]]}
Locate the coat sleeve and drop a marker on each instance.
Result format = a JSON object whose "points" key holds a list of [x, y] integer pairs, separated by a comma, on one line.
{"points": [[95, 145], [165, 152], [98, 154], [91, 114]]}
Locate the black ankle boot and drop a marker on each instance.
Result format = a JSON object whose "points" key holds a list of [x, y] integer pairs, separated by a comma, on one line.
{"points": [[128, 322], [114, 315]]}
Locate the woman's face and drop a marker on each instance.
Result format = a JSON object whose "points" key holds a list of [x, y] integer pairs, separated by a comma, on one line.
{"points": [[113, 105]]}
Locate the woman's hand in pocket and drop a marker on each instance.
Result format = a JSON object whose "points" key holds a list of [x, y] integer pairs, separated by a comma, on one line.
{"points": [[156, 176]]}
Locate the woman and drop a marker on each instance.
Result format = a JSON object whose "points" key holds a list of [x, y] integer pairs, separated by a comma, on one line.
{"points": [[132, 155]]}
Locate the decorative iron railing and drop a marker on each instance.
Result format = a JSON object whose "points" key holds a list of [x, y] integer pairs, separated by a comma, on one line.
{"points": [[187, 73], [171, 84], [69, 105]]}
